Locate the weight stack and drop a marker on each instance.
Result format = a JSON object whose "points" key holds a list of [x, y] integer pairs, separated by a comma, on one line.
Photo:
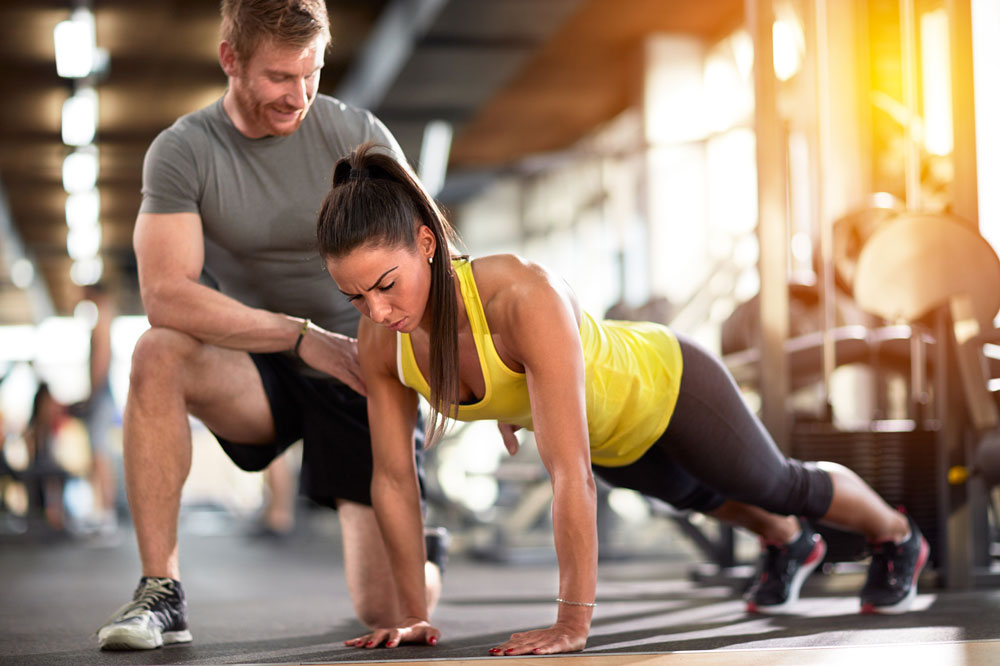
{"points": [[895, 458]]}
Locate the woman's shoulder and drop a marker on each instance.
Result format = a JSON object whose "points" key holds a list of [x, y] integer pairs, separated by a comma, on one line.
{"points": [[496, 273], [376, 345], [510, 285]]}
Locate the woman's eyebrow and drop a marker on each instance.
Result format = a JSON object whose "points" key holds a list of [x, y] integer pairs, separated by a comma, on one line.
{"points": [[380, 278]]}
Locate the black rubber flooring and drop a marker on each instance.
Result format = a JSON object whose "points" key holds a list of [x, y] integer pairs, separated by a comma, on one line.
{"points": [[261, 602]]}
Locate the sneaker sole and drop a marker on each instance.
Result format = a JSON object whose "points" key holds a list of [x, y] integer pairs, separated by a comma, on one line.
{"points": [[127, 638], [903, 604], [815, 557]]}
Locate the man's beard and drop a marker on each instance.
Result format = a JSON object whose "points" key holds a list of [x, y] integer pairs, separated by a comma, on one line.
{"points": [[256, 112]]}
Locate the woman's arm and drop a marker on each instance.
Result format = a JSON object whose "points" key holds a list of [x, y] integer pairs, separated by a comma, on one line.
{"points": [[538, 326], [392, 415]]}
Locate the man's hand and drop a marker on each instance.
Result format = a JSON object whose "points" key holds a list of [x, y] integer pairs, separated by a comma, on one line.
{"points": [[334, 354], [509, 438], [411, 630]]}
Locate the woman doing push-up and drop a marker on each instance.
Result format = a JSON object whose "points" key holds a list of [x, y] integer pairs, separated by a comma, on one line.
{"points": [[500, 338]]}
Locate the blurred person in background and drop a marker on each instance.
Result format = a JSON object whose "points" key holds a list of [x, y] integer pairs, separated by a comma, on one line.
{"points": [[99, 412], [232, 190], [45, 478], [8, 475]]}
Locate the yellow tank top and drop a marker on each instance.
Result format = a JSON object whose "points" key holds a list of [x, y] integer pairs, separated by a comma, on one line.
{"points": [[633, 374]]}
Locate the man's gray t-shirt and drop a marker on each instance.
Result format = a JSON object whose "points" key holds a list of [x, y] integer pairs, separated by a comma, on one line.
{"points": [[259, 200]]}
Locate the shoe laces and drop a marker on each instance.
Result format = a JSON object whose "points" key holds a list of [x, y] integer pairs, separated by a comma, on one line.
{"points": [[883, 569], [149, 593], [776, 563]]}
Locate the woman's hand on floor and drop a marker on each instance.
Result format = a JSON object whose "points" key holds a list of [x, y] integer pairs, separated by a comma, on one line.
{"points": [[412, 630], [557, 638]]}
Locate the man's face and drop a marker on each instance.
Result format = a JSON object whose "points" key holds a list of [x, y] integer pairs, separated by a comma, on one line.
{"points": [[275, 87]]}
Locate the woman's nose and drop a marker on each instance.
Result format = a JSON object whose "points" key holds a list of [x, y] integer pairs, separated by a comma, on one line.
{"points": [[380, 311]]}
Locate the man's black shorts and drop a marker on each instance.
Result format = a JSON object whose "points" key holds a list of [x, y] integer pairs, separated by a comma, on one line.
{"points": [[332, 421]]}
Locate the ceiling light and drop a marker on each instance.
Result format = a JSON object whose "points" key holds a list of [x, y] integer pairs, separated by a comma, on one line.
{"points": [[22, 273], [79, 117], [788, 43], [86, 271], [86, 313], [84, 242], [80, 169], [434, 152], [76, 43], [83, 209]]}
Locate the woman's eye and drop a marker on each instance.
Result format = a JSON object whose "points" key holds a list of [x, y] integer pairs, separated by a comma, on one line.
{"points": [[387, 287]]}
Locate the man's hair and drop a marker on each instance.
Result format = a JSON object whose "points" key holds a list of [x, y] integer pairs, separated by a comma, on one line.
{"points": [[246, 23]]}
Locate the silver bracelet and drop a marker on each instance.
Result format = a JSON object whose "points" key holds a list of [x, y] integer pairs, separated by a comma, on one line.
{"points": [[576, 603]]}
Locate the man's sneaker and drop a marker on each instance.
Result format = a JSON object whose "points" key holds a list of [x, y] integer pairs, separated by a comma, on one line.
{"points": [[157, 615], [783, 569], [891, 586], [436, 540]]}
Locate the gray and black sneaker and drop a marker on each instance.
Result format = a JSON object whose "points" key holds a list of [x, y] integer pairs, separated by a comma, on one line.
{"points": [[783, 568], [156, 616], [891, 585]]}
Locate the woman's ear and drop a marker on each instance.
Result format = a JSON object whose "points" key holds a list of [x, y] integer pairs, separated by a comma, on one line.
{"points": [[426, 241]]}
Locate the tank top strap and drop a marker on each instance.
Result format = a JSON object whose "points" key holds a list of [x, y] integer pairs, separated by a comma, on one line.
{"points": [[470, 296]]}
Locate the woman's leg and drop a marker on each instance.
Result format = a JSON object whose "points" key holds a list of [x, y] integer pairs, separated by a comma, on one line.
{"points": [[715, 437], [770, 527]]}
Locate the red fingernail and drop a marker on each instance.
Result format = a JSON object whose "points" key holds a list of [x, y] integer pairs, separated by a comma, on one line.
{"points": [[508, 650], [369, 643], [433, 640], [391, 644], [494, 650]]}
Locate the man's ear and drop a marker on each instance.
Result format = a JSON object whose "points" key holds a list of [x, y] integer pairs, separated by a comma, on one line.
{"points": [[227, 58]]}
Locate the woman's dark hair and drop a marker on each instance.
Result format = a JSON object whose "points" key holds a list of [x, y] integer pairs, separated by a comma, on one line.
{"points": [[376, 201]]}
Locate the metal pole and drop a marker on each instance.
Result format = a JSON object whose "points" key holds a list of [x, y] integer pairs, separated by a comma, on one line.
{"points": [[908, 39], [965, 190], [772, 225], [823, 148]]}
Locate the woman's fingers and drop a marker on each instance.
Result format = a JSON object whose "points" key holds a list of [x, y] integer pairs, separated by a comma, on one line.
{"points": [[509, 438], [542, 641], [421, 633], [359, 641]]}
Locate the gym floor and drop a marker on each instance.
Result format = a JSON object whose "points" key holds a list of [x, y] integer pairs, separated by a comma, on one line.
{"points": [[254, 601]]}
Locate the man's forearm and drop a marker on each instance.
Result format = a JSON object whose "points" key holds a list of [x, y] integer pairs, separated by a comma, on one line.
{"points": [[217, 319]]}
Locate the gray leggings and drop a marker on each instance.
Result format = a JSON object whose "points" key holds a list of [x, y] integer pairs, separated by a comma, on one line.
{"points": [[715, 449]]}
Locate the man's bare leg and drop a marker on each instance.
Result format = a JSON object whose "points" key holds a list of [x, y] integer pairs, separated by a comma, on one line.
{"points": [[279, 512], [174, 374], [369, 574]]}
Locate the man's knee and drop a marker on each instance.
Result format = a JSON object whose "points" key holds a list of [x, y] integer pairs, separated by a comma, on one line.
{"points": [[160, 353]]}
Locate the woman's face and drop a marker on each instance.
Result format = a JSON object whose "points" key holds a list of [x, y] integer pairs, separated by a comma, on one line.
{"points": [[389, 285]]}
